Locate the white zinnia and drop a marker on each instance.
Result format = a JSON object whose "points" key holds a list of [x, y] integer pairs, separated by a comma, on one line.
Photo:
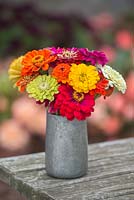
{"points": [[115, 78]]}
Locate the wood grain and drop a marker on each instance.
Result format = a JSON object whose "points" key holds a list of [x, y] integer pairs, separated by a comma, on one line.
{"points": [[110, 175]]}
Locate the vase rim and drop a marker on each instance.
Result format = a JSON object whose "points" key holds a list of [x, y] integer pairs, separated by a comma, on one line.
{"points": [[64, 118]]}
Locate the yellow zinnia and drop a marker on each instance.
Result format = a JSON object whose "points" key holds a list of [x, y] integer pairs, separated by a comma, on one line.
{"points": [[15, 69], [83, 77]]}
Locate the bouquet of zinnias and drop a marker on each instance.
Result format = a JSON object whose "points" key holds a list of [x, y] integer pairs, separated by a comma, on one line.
{"points": [[66, 80]]}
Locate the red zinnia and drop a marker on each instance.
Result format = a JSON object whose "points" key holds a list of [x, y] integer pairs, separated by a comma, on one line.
{"points": [[100, 87], [72, 104]]}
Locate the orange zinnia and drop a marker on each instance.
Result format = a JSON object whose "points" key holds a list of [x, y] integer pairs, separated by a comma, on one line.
{"points": [[35, 60], [23, 81], [61, 72]]}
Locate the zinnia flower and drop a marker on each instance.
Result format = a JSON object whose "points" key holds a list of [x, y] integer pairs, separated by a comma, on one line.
{"points": [[115, 78], [15, 69], [42, 88], [70, 55], [94, 57], [23, 81], [61, 72], [101, 87], [35, 60], [83, 78], [72, 104]]}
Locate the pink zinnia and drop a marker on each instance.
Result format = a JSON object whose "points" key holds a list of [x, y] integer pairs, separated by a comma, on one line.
{"points": [[94, 57], [67, 54]]}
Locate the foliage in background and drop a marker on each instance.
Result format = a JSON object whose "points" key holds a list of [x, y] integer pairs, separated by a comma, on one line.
{"points": [[24, 27]]}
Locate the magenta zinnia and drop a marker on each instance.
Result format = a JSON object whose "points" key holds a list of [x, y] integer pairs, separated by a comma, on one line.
{"points": [[94, 57], [72, 104]]}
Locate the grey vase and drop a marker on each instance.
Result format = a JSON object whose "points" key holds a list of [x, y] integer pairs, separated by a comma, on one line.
{"points": [[66, 147]]}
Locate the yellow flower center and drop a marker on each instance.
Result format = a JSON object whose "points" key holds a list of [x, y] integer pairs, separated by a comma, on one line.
{"points": [[82, 77], [78, 96], [38, 59]]}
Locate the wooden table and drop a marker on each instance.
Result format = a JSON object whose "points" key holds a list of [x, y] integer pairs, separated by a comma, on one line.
{"points": [[110, 175]]}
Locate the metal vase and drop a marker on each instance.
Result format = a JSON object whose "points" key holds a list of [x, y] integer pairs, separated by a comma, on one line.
{"points": [[66, 147]]}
